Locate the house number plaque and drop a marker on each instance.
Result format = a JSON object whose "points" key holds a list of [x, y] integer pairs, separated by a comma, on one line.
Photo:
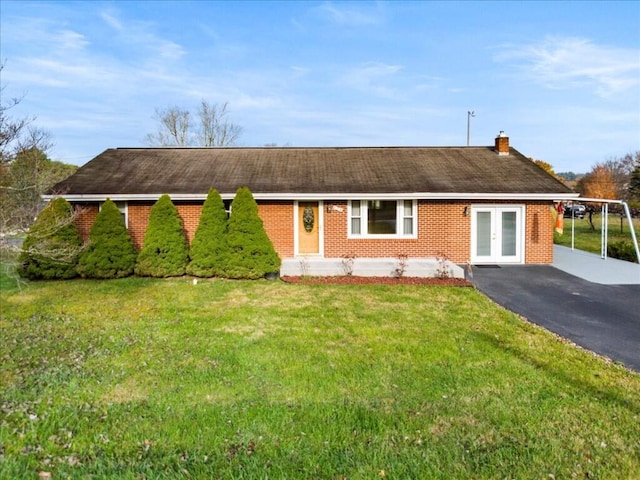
{"points": [[308, 219]]}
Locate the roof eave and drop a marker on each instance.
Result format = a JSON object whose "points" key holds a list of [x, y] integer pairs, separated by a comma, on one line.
{"points": [[324, 196]]}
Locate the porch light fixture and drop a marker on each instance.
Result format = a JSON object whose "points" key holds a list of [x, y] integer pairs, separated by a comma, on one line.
{"points": [[465, 211]]}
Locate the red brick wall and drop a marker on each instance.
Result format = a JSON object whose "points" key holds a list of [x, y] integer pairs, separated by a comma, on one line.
{"points": [[539, 233], [86, 214], [277, 217], [138, 218], [442, 229]]}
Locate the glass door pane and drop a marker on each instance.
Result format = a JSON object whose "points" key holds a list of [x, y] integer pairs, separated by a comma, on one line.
{"points": [[509, 234], [483, 234]]}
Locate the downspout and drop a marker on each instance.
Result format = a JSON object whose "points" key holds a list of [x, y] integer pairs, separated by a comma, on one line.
{"points": [[633, 232]]}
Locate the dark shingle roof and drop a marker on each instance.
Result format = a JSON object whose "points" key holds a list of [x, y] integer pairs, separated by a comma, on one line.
{"points": [[348, 170]]}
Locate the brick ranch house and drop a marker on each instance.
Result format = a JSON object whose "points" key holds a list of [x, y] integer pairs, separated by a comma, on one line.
{"points": [[481, 205]]}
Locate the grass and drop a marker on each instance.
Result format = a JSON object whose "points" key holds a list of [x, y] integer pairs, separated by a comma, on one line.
{"points": [[589, 240], [141, 378]]}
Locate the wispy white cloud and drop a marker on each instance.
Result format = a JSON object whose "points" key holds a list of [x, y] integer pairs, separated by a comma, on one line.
{"points": [[70, 40], [351, 14], [111, 20], [372, 77], [141, 36], [567, 62]]}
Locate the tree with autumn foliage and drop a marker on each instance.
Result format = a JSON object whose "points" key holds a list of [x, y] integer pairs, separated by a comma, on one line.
{"points": [[545, 166], [598, 183]]}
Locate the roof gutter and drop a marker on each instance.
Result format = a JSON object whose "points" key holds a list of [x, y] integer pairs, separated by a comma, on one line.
{"points": [[325, 196]]}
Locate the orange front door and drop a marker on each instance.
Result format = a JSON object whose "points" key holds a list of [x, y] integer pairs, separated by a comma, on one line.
{"points": [[308, 228]]}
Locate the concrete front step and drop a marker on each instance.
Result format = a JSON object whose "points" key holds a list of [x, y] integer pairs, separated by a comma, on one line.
{"points": [[368, 267]]}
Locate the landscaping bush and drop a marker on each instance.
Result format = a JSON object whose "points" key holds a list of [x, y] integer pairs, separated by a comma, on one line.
{"points": [[209, 250], [110, 252], [164, 249], [52, 246], [622, 251], [251, 253]]}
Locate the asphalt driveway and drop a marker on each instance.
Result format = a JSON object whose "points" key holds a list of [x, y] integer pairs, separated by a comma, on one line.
{"points": [[602, 318]]}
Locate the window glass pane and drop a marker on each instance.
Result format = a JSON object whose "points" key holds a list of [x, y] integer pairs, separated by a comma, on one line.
{"points": [[408, 208], [355, 208], [508, 234], [355, 226], [483, 233], [381, 217], [408, 226], [408, 217]]}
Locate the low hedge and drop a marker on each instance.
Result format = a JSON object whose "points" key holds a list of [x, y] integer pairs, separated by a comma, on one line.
{"points": [[623, 251]]}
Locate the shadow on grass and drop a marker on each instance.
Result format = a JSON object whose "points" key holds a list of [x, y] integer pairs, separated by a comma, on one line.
{"points": [[561, 371]]}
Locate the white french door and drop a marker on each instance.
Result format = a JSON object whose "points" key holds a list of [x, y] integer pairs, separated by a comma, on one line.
{"points": [[496, 234]]}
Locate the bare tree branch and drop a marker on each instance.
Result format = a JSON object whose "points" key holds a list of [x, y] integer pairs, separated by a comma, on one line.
{"points": [[215, 128], [10, 129], [177, 127]]}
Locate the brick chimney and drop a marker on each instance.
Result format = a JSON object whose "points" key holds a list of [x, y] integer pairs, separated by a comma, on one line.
{"points": [[502, 144]]}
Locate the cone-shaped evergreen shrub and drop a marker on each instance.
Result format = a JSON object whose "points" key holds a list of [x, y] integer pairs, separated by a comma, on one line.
{"points": [[110, 253], [52, 245], [209, 251], [164, 249], [251, 253]]}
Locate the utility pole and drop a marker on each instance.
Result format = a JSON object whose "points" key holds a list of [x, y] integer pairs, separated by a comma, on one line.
{"points": [[470, 113]]}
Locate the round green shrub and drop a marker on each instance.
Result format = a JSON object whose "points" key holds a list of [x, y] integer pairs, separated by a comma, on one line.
{"points": [[209, 251], [110, 252], [52, 246], [251, 253], [164, 248]]}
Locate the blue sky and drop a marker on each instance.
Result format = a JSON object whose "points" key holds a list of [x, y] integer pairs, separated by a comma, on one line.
{"points": [[562, 79]]}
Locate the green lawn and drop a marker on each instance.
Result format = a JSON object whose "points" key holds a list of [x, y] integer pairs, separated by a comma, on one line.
{"points": [[141, 378], [590, 240]]}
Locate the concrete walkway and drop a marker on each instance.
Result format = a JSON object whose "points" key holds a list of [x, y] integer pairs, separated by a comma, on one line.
{"points": [[592, 267]]}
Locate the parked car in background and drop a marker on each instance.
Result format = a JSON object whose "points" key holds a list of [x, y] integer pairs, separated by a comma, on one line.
{"points": [[576, 211]]}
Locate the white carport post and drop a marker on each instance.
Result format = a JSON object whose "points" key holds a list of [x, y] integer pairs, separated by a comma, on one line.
{"points": [[604, 230], [633, 232], [605, 224]]}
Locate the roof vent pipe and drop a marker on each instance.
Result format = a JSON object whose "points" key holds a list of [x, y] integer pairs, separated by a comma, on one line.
{"points": [[502, 144]]}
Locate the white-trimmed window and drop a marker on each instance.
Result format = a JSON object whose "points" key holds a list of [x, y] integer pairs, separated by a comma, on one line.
{"points": [[383, 218], [122, 206]]}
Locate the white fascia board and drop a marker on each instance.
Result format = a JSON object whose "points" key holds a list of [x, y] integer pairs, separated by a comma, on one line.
{"points": [[327, 196], [122, 197], [418, 196], [599, 200]]}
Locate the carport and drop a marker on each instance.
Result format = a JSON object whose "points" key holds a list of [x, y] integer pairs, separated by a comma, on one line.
{"points": [[605, 223]]}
